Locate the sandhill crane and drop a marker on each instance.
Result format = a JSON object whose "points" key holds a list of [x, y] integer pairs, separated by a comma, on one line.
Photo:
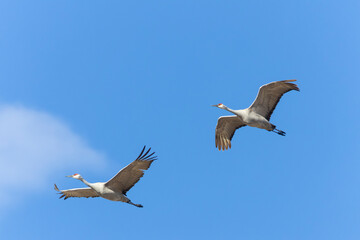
{"points": [[257, 115], [115, 189]]}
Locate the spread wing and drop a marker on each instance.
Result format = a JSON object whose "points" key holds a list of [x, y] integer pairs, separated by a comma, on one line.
{"points": [[131, 174], [77, 192], [269, 95], [225, 129]]}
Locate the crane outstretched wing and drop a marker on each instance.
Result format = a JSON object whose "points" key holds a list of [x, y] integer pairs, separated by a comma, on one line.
{"points": [[225, 129], [127, 177], [269, 95], [77, 192]]}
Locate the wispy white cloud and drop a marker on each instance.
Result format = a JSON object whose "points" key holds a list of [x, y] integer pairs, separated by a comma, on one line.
{"points": [[33, 145]]}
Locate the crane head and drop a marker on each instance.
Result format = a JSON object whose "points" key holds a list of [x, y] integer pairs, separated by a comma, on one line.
{"points": [[220, 105], [76, 176]]}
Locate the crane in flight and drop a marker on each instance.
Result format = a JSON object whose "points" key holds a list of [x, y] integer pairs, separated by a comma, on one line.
{"points": [[257, 115], [116, 188]]}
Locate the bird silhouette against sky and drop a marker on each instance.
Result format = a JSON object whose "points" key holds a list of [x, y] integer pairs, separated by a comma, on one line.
{"points": [[257, 115], [116, 188]]}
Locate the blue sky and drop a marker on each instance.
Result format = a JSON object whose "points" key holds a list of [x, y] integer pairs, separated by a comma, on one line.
{"points": [[85, 84]]}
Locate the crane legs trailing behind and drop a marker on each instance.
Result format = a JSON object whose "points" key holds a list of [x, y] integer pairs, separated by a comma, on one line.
{"points": [[116, 188], [257, 115], [282, 133]]}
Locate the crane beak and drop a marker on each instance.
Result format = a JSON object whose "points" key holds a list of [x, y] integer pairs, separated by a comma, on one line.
{"points": [[69, 176], [214, 105]]}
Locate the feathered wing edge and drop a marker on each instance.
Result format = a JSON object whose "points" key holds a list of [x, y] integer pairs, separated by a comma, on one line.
{"points": [[222, 135], [60, 192], [128, 180], [145, 156], [142, 157], [66, 195], [292, 86], [267, 114]]}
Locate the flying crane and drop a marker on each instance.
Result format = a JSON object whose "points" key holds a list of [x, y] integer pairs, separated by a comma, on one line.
{"points": [[116, 188], [257, 115]]}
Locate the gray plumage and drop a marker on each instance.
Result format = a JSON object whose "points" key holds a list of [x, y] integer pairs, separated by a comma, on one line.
{"points": [[269, 96], [116, 188], [77, 192], [257, 115]]}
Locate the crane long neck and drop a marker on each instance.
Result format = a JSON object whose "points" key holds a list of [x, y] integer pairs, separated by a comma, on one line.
{"points": [[86, 182], [238, 113], [230, 110]]}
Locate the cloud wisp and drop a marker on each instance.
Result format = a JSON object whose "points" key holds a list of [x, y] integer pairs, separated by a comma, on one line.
{"points": [[33, 145]]}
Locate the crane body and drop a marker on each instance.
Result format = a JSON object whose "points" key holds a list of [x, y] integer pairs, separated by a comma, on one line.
{"points": [[116, 188], [257, 115], [252, 119]]}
